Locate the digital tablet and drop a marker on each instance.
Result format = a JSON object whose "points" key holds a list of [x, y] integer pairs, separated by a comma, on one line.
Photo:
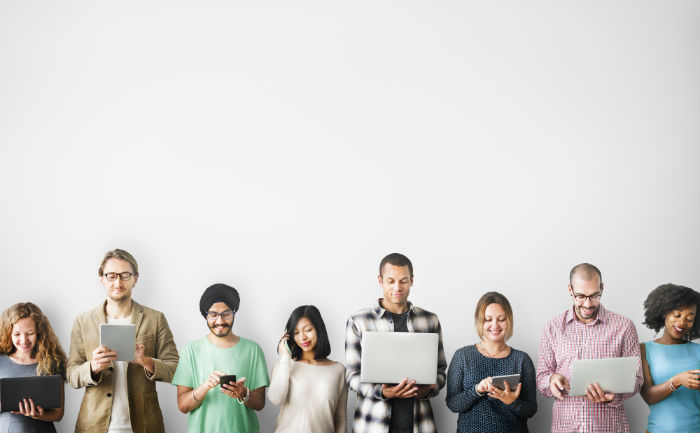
{"points": [[44, 390], [119, 338], [614, 375], [512, 379], [389, 357]]}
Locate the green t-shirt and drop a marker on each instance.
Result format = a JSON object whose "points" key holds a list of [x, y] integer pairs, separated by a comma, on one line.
{"points": [[219, 412]]}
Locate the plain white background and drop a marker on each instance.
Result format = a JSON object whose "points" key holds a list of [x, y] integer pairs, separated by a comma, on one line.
{"points": [[285, 147]]}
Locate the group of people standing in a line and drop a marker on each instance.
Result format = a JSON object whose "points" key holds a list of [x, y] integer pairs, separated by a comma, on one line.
{"points": [[311, 389]]}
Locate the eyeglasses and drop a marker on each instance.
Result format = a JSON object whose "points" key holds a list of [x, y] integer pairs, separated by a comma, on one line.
{"points": [[582, 298], [125, 276], [226, 315]]}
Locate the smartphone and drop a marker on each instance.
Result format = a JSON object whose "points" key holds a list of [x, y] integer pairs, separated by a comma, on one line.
{"points": [[227, 378], [286, 344]]}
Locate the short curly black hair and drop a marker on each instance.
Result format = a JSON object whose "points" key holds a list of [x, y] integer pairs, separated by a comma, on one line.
{"points": [[668, 297]]}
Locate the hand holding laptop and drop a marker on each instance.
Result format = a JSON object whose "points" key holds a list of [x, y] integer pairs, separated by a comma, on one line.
{"points": [[406, 389], [596, 394], [28, 408]]}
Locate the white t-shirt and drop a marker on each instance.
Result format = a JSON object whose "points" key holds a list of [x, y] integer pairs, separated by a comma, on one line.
{"points": [[120, 422]]}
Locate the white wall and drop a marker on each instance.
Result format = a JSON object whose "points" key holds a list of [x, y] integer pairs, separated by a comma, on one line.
{"points": [[285, 147]]}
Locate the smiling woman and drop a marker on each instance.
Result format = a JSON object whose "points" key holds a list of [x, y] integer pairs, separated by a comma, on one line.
{"points": [[670, 363], [29, 347], [482, 404], [309, 387]]}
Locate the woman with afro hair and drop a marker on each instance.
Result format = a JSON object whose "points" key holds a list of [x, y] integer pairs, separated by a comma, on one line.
{"points": [[671, 363]]}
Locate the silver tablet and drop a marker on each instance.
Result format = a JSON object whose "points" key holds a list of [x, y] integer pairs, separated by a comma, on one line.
{"points": [[389, 357], [512, 379], [614, 375], [119, 338]]}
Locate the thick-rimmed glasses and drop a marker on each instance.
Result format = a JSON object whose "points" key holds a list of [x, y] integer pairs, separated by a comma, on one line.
{"points": [[226, 315], [124, 276], [579, 297]]}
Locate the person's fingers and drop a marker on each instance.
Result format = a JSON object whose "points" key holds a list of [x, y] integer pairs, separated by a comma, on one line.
{"points": [[32, 407], [506, 386]]}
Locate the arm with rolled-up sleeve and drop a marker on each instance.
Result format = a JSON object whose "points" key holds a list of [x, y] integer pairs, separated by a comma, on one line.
{"points": [[460, 397], [353, 364], [546, 361], [630, 347]]}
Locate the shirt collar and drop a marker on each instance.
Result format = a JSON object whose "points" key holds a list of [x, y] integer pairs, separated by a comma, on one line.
{"points": [[379, 311], [600, 317]]}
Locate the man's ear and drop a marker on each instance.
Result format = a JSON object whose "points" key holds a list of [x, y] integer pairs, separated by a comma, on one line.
{"points": [[379, 278], [571, 290]]}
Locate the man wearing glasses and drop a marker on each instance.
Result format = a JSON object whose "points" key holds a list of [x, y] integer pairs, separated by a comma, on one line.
{"points": [[120, 396], [585, 331], [206, 388]]}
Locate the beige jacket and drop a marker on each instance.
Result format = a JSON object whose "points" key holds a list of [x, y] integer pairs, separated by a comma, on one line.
{"points": [[153, 332]]}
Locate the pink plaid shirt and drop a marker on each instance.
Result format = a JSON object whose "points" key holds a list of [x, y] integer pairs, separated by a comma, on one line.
{"points": [[565, 339]]}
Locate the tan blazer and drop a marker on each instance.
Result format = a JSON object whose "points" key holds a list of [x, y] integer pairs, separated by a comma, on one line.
{"points": [[153, 332]]}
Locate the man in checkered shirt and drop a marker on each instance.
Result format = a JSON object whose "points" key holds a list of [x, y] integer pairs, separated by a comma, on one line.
{"points": [[586, 331], [405, 407]]}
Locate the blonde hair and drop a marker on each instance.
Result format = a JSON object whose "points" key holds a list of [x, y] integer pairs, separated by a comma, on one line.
{"points": [[121, 255], [492, 298], [48, 352]]}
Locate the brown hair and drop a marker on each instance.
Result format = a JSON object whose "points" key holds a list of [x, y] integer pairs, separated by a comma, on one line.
{"points": [[48, 352], [487, 299], [121, 255]]}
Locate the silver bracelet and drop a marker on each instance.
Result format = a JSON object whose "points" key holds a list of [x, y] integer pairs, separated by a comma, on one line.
{"points": [[246, 398], [670, 385], [480, 394]]}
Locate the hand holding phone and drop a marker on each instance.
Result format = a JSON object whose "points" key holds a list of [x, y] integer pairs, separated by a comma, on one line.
{"points": [[227, 379]]}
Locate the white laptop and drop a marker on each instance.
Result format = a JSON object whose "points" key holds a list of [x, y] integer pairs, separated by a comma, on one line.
{"points": [[614, 375], [389, 357]]}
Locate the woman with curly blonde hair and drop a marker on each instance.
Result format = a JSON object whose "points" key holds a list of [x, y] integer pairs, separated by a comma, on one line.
{"points": [[28, 347]]}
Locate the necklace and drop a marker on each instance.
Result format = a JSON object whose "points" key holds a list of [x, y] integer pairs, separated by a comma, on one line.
{"points": [[492, 355]]}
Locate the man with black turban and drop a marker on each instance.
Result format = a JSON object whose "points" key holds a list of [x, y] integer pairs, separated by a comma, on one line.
{"points": [[204, 362]]}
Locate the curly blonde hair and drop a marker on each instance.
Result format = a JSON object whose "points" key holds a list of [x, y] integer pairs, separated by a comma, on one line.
{"points": [[51, 359]]}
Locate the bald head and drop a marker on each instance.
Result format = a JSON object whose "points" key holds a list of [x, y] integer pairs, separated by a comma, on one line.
{"points": [[586, 272]]}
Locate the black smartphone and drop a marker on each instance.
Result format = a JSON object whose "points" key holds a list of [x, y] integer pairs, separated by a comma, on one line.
{"points": [[291, 344], [227, 378]]}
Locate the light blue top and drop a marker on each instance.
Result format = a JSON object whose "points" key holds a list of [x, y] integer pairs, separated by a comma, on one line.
{"points": [[680, 411]]}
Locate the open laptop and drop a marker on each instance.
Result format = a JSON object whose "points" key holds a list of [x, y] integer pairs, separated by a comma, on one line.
{"points": [[389, 357], [120, 338], [44, 390], [614, 375]]}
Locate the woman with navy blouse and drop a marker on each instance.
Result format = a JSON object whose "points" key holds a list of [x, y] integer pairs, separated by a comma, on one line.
{"points": [[483, 407]]}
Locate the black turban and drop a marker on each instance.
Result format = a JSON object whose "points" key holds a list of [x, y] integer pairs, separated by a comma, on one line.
{"points": [[219, 293]]}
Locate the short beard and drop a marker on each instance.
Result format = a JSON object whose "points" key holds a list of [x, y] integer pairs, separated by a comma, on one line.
{"points": [[226, 331]]}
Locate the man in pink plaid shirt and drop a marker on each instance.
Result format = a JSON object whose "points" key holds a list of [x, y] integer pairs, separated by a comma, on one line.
{"points": [[586, 331]]}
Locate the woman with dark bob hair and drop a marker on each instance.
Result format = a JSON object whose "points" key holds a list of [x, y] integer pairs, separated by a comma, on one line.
{"points": [[29, 347], [309, 387], [671, 362], [483, 404]]}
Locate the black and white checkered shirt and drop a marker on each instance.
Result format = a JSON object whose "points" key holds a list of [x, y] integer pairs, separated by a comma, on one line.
{"points": [[373, 411]]}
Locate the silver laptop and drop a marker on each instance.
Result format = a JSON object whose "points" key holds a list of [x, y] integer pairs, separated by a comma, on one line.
{"points": [[614, 375], [389, 357], [120, 338]]}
